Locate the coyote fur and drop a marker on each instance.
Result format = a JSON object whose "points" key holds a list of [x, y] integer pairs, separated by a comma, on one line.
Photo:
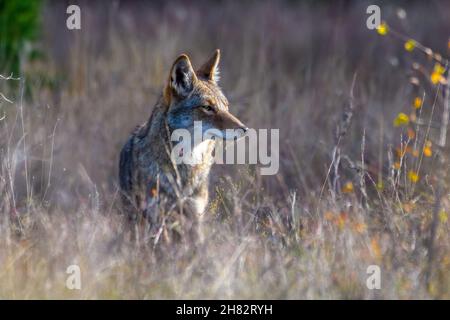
{"points": [[151, 183]]}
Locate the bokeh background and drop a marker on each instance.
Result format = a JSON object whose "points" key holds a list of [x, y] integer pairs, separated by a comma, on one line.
{"points": [[307, 232]]}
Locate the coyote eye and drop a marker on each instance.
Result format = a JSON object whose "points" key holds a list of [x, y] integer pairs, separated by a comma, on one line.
{"points": [[208, 108]]}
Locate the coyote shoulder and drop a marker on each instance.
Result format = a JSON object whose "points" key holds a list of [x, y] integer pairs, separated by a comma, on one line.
{"points": [[149, 178]]}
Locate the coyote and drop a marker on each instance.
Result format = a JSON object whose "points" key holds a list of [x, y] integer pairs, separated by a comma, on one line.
{"points": [[151, 183]]}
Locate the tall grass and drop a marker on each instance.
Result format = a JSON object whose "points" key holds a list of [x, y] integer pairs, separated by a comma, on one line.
{"points": [[338, 204]]}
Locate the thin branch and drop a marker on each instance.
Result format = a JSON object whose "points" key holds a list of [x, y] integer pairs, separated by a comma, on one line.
{"points": [[10, 77], [5, 98], [341, 130]]}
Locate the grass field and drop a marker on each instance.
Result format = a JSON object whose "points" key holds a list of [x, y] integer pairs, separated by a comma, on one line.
{"points": [[376, 195]]}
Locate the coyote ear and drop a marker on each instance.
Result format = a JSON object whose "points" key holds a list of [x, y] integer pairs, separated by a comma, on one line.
{"points": [[182, 78], [210, 69]]}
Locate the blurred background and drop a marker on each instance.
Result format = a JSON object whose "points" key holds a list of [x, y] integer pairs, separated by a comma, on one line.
{"points": [[285, 65]]}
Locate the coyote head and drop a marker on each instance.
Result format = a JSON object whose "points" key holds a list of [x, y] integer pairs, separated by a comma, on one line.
{"points": [[194, 97]]}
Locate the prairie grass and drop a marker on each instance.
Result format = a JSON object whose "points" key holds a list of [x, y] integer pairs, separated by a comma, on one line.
{"points": [[342, 200]]}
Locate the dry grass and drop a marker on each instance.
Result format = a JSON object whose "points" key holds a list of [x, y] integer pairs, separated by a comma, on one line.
{"points": [[293, 235]]}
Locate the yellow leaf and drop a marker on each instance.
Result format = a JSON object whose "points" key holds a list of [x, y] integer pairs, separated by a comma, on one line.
{"points": [[417, 103], [410, 45], [438, 68], [340, 220], [427, 151], [443, 216], [383, 29], [402, 119], [348, 187], [360, 227], [375, 248], [436, 77], [380, 185], [432, 289], [413, 176]]}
